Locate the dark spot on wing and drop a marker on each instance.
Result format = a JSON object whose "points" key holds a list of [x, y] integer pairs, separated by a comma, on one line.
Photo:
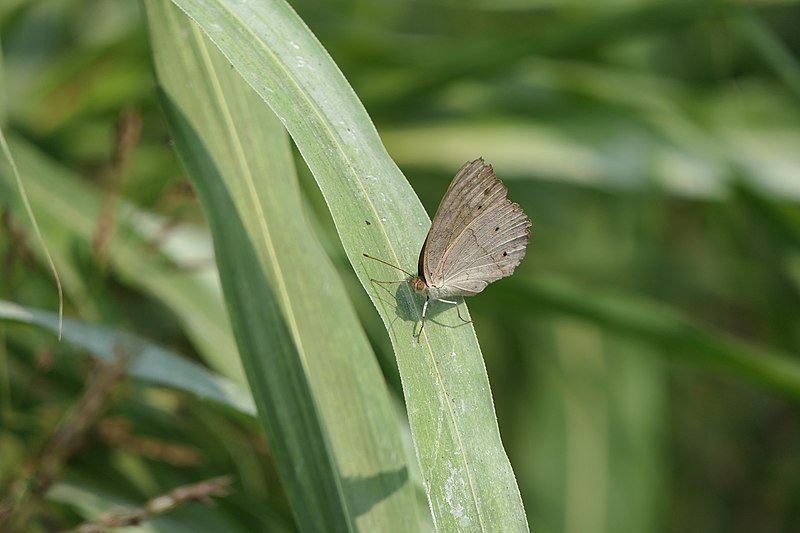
{"points": [[497, 228], [480, 207], [505, 254]]}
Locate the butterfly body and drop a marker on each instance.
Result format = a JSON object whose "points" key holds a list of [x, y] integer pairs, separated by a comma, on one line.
{"points": [[433, 293], [477, 236]]}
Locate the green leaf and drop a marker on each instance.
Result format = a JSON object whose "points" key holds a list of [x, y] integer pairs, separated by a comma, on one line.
{"points": [[34, 224], [665, 328], [69, 211], [320, 394], [150, 362], [467, 475]]}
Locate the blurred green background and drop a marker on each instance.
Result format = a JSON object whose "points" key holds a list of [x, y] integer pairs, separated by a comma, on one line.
{"points": [[654, 145]]}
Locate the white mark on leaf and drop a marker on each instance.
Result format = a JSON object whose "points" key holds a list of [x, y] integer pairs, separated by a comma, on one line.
{"points": [[453, 492]]}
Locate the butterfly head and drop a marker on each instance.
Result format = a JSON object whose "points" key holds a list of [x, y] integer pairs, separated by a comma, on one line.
{"points": [[418, 284]]}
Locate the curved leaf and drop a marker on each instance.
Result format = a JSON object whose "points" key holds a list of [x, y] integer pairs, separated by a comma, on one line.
{"points": [[152, 363], [321, 397], [467, 475]]}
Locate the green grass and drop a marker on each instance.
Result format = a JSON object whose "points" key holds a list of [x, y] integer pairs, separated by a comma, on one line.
{"points": [[641, 365]]}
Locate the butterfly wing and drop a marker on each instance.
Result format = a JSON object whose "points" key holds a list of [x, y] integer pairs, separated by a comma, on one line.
{"points": [[478, 236]]}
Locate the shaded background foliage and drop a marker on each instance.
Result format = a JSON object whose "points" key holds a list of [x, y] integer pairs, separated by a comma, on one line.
{"points": [[654, 146]]}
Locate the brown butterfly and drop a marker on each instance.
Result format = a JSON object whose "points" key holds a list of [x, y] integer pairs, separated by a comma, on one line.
{"points": [[477, 236]]}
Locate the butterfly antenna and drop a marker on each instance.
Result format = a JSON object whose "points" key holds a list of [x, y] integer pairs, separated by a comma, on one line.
{"points": [[388, 264]]}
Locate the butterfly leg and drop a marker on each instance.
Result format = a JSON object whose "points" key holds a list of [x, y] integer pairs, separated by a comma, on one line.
{"points": [[457, 311], [424, 311]]}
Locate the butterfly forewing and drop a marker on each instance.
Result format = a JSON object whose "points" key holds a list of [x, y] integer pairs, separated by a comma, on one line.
{"points": [[477, 236], [452, 216]]}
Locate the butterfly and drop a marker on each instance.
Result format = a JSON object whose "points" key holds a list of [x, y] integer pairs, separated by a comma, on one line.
{"points": [[477, 236]]}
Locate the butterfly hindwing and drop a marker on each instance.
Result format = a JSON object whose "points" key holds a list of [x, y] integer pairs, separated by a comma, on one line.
{"points": [[492, 252]]}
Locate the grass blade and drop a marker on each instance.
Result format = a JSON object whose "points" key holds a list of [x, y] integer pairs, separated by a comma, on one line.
{"points": [[153, 363], [665, 328], [29, 210], [68, 212], [321, 397], [467, 475]]}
